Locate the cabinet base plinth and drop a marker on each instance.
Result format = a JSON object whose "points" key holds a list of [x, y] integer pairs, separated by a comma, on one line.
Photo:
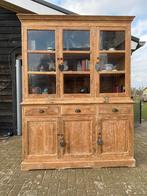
{"points": [[29, 165]]}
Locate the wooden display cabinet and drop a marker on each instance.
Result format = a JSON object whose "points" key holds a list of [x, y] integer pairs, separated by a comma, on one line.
{"points": [[77, 110]]}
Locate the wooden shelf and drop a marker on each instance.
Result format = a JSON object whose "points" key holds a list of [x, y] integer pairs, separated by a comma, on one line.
{"points": [[112, 51], [75, 52], [42, 73], [42, 51], [111, 72], [76, 72], [115, 94]]}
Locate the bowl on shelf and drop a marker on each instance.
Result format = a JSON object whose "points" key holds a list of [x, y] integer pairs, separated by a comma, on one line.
{"points": [[109, 67], [111, 49]]}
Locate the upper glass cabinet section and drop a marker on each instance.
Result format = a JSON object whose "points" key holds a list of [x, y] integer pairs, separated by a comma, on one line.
{"points": [[112, 40], [41, 40], [76, 40]]}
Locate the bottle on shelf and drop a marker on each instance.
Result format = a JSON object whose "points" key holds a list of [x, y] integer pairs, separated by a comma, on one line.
{"points": [[79, 66]]}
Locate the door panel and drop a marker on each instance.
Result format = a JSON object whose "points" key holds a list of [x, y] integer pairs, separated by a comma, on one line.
{"points": [[111, 56], [76, 66], [115, 135], [42, 137], [79, 136], [41, 63]]}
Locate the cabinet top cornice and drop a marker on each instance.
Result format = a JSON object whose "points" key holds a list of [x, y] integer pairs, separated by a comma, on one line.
{"points": [[24, 17]]}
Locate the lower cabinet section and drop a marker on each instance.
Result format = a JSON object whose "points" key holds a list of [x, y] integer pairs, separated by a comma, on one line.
{"points": [[77, 140]]}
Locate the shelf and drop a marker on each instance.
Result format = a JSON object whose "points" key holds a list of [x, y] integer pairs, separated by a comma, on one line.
{"points": [[76, 52], [76, 83], [112, 83], [76, 72], [111, 72], [115, 94], [112, 51], [42, 73], [41, 51]]}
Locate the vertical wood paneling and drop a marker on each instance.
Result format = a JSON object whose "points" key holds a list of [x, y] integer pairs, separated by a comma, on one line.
{"points": [[10, 39]]}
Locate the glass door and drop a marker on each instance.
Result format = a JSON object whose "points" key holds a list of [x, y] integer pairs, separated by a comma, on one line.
{"points": [[41, 60], [111, 62], [76, 63]]}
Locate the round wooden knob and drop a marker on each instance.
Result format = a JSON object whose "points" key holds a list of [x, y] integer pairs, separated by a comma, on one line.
{"points": [[41, 111], [77, 110], [115, 110]]}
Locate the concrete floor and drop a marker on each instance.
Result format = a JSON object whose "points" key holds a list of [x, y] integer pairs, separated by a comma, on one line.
{"points": [[72, 182]]}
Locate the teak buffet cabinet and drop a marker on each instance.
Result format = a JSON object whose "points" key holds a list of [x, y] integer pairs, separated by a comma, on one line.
{"points": [[77, 107]]}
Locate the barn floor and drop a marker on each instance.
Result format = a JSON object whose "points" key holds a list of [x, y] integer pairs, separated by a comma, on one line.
{"points": [[72, 182]]}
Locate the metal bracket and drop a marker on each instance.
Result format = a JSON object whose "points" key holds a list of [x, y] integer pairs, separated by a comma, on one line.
{"points": [[61, 140]]}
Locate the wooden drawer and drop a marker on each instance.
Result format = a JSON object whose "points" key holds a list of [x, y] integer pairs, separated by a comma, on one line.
{"points": [[78, 109], [41, 111], [115, 109]]}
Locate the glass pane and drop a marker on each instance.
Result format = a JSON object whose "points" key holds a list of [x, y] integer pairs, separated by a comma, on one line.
{"points": [[112, 40], [76, 62], [41, 62], [112, 83], [76, 40], [112, 62], [41, 40], [42, 84], [76, 84]]}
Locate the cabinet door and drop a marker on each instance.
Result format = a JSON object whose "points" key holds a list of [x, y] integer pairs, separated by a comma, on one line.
{"points": [[77, 63], [41, 63], [115, 133], [111, 64], [42, 137], [79, 136]]}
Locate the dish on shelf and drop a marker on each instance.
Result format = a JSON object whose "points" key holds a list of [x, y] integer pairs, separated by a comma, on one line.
{"points": [[36, 90], [50, 49], [108, 67], [111, 49]]}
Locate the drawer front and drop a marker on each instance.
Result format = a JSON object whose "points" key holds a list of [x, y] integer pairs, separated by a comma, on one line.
{"points": [[78, 109], [115, 108], [42, 110]]}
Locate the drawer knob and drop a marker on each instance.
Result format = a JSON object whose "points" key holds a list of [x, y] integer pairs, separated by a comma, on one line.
{"points": [[115, 110], [41, 111], [77, 110]]}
